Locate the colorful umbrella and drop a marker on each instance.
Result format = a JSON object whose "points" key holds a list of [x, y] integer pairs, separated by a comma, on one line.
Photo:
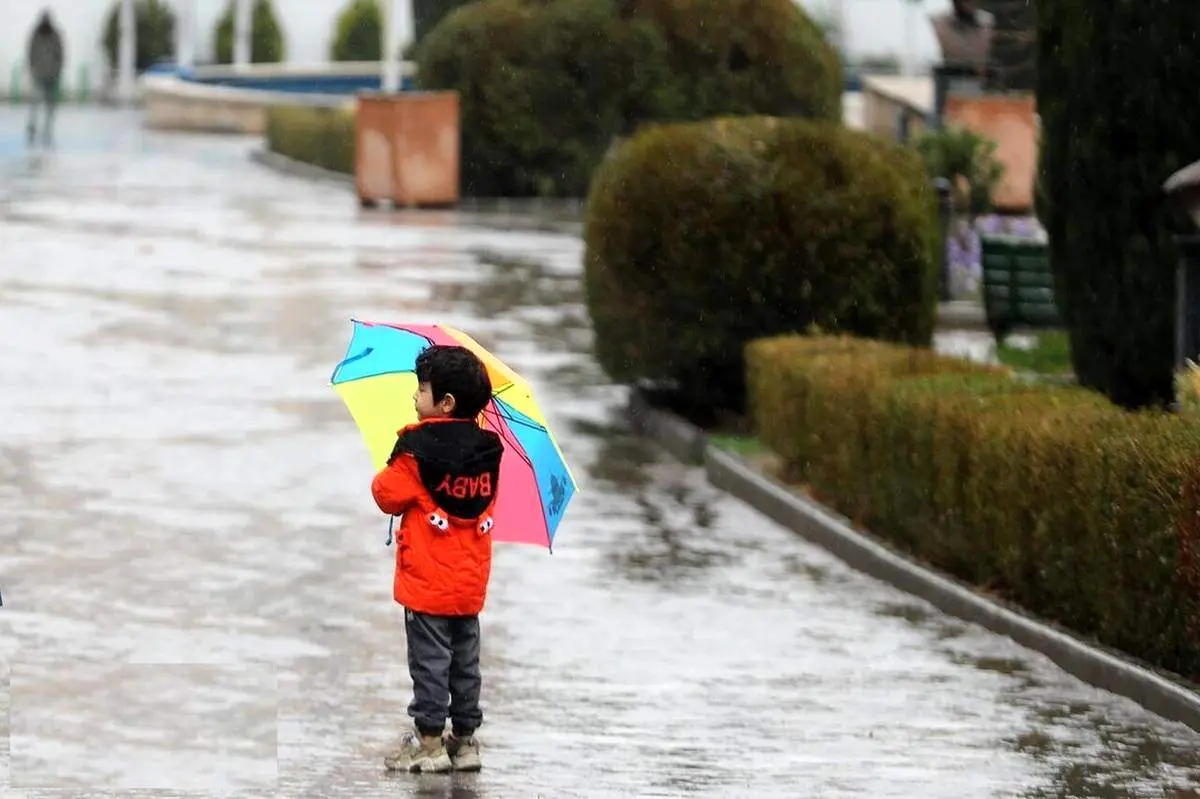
{"points": [[376, 380]]}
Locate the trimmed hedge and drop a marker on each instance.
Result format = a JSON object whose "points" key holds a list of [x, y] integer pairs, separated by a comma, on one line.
{"points": [[546, 86], [266, 37], [154, 29], [359, 32], [701, 237], [323, 137], [1051, 497]]}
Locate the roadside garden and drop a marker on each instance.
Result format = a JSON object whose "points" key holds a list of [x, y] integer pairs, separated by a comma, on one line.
{"points": [[775, 281], [758, 267]]}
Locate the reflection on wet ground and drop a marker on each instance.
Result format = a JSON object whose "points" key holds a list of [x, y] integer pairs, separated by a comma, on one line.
{"points": [[197, 595]]}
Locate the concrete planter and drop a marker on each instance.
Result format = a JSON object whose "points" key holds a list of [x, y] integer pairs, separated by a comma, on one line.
{"points": [[408, 149]]}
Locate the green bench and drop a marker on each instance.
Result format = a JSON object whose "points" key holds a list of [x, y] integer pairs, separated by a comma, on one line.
{"points": [[1018, 287]]}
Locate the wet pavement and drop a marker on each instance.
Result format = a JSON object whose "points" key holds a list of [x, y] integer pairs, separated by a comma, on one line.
{"points": [[197, 592]]}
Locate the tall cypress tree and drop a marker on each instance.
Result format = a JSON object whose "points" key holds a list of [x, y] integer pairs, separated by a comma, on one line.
{"points": [[1116, 91]]}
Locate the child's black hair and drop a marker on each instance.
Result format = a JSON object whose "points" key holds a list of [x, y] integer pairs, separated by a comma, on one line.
{"points": [[455, 370]]}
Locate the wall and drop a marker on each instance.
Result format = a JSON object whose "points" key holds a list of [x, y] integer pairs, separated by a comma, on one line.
{"points": [[886, 99]]}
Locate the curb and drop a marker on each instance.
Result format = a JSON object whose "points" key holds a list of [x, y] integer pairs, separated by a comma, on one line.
{"points": [[290, 166], [962, 315], [1102, 669], [683, 440], [571, 210]]}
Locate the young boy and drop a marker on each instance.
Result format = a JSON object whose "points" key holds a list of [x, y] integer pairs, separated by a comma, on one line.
{"points": [[442, 476]]}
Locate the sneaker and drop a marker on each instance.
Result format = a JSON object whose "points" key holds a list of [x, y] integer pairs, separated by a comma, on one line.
{"points": [[419, 753], [464, 753]]}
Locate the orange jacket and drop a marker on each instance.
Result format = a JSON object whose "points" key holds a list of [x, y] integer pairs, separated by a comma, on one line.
{"points": [[442, 477]]}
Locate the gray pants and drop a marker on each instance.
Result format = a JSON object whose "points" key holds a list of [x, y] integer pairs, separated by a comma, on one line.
{"points": [[443, 661]]}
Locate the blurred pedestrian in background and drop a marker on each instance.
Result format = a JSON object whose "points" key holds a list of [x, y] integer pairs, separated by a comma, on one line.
{"points": [[45, 68]]}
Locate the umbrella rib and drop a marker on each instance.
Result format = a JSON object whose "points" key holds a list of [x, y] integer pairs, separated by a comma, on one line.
{"points": [[509, 418], [367, 351], [528, 460], [380, 374], [522, 423], [511, 439]]}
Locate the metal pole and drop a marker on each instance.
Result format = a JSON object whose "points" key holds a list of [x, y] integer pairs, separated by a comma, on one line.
{"points": [[837, 13], [406, 26], [843, 28], [185, 39], [934, 123], [945, 211], [910, 37], [390, 62], [1187, 301], [127, 53], [242, 19]]}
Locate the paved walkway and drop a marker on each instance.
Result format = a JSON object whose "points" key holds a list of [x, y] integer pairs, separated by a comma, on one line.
{"points": [[196, 588]]}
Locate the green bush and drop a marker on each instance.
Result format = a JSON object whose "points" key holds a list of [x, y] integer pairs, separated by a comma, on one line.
{"points": [[266, 37], [154, 26], [1108, 144], [359, 33], [744, 57], [322, 137], [959, 153], [703, 236], [547, 85], [1050, 497], [543, 89]]}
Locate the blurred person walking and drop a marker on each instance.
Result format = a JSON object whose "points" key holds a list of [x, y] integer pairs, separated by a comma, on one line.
{"points": [[45, 68]]}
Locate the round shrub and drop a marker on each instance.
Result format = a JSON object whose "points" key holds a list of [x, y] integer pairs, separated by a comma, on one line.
{"points": [[742, 57], [266, 37], [359, 32], [547, 85], [544, 88], [154, 25], [704, 236]]}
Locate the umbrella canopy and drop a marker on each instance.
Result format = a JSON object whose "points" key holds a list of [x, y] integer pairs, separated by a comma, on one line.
{"points": [[376, 381]]}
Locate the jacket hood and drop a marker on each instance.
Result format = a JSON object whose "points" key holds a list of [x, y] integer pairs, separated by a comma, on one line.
{"points": [[458, 462]]}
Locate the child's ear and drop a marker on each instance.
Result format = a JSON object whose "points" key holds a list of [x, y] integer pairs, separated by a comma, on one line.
{"points": [[448, 403]]}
